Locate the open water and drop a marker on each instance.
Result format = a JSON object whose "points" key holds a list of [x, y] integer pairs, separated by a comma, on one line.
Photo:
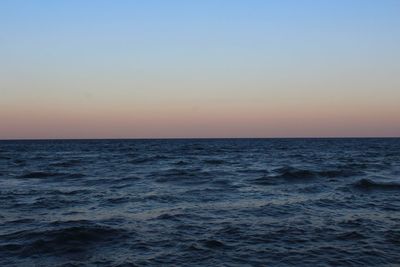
{"points": [[206, 202]]}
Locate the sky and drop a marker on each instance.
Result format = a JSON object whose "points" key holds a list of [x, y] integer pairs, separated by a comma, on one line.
{"points": [[194, 69]]}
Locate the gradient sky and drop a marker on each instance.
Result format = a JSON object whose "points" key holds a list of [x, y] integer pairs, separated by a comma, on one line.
{"points": [[206, 68]]}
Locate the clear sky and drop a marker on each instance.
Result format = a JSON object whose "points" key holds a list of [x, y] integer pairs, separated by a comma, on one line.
{"points": [[206, 68]]}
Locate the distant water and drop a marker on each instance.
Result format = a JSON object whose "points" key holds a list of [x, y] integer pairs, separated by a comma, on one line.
{"points": [[274, 202]]}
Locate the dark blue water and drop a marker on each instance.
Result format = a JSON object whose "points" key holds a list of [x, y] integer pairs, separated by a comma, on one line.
{"points": [[277, 202]]}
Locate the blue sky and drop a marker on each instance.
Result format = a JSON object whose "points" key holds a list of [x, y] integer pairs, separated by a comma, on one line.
{"points": [[209, 68]]}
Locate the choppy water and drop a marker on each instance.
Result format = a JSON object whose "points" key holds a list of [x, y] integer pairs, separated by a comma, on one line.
{"points": [[277, 202]]}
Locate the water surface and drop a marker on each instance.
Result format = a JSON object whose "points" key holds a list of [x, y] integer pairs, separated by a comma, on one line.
{"points": [[238, 202]]}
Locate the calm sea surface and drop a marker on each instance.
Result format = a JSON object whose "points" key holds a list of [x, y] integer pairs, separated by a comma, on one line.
{"points": [[240, 202]]}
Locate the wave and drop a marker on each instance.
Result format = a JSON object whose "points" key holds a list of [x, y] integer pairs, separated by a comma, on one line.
{"points": [[54, 202], [162, 198], [393, 236], [141, 160], [170, 216], [353, 235], [312, 189], [66, 164], [117, 200], [181, 163], [214, 161], [253, 171], [71, 192], [292, 174], [126, 179], [213, 244], [41, 175], [22, 221], [367, 184], [338, 173], [20, 162], [72, 239], [155, 198], [190, 176], [192, 148], [74, 175], [286, 174]]}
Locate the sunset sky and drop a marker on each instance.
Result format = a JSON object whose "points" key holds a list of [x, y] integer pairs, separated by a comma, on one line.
{"points": [[206, 68]]}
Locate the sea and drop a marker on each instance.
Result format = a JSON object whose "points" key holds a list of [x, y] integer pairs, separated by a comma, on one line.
{"points": [[200, 202]]}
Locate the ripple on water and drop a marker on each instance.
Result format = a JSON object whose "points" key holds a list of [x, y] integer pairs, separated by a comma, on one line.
{"points": [[261, 202]]}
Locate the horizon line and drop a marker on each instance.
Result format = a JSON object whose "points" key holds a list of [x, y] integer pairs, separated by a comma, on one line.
{"points": [[197, 138]]}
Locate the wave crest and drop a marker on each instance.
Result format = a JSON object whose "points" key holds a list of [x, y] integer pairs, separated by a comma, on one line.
{"points": [[367, 184]]}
